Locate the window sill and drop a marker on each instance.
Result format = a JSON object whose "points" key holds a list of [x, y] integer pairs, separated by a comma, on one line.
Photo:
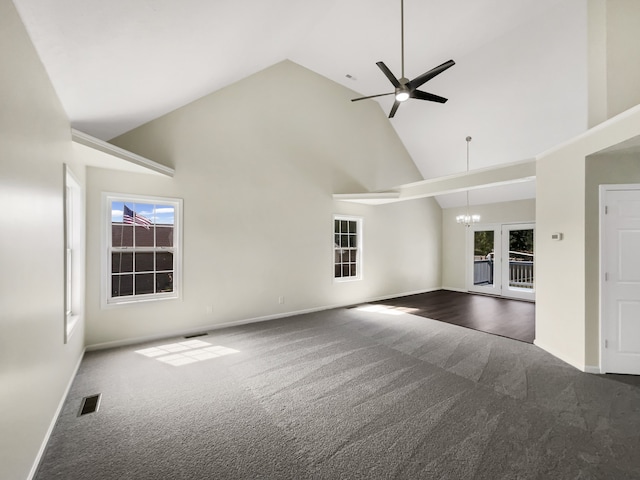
{"points": [[347, 279], [135, 301]]}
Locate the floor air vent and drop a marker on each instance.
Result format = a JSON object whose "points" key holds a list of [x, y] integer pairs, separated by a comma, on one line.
{"points": [[89, 404], [194, 335]]}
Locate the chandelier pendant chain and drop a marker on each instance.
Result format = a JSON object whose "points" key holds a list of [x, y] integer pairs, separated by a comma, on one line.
{"points": [[468, 139]]}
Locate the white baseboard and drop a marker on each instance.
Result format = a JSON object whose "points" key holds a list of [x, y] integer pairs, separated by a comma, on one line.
{"points": [[454, 289], [45, 441], [218, 326], [579, 365], [592, 369]]}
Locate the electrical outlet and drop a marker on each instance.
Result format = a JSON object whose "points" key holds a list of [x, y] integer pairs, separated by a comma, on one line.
{"points": [[281, 299], [209, 309]]}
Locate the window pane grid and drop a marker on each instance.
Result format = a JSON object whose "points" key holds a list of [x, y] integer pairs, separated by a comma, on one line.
{"points": [[346, 248], [141, 256]]}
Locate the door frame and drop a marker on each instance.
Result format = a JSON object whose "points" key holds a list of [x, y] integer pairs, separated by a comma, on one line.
{"points": [[603, 302], [499, 267]]}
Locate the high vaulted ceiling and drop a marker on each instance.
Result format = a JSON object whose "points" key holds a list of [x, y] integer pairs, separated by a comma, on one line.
{"points": [[518, 86]]}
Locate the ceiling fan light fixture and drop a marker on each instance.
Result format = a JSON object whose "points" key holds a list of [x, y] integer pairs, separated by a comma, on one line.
{"points": [[402, 95]]}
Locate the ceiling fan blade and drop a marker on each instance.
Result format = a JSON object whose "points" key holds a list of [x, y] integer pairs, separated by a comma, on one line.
{"points": [[394, 81], [371, 96], [416, 82], [420, 95], [396, 104]]}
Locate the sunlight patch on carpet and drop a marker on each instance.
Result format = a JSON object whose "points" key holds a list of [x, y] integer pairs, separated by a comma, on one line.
{"points": [[183, 353]]}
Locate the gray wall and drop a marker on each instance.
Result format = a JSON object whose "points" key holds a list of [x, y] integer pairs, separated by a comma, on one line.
{"points": [[257, 164], [35, 364]]}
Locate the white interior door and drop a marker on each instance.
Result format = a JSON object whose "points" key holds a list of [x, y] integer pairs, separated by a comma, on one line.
{"points": [[501, 260], [620, 287]]}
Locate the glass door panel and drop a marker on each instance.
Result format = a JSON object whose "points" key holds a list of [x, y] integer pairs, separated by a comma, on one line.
{"points": [[484, 272], [518, 261], [483, 256]]}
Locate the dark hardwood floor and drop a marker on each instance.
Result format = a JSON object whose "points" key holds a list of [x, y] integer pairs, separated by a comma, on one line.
{"points": [[500, 316]]}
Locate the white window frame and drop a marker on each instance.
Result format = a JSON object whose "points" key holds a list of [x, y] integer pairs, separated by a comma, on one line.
{"points": [[73, 253], [359, 234], [107, 300]]}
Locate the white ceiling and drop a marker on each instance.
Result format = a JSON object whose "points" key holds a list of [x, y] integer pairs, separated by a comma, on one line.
{"points": [[518, 86]]}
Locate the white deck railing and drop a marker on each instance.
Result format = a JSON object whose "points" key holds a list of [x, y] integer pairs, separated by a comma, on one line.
{"points": [[483, 272], [520, 273]]}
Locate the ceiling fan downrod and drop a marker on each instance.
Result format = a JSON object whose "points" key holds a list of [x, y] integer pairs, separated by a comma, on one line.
{"points": [[402, 35]]}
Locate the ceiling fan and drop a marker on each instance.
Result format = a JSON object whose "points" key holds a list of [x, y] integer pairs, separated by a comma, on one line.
{"points": [[405, 88]]}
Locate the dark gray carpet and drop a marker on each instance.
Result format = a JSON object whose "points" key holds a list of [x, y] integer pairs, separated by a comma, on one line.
{"points": [[347, 394]]}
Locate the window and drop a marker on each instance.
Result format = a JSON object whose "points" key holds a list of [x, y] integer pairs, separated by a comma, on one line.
{"points": [[143, 248], [73, 253], [347, 248]]}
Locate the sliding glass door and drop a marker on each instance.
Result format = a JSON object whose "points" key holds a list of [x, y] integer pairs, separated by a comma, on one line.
{"points": [[502, 260]]}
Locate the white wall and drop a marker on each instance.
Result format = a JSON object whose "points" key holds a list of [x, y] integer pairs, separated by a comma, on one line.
{"points": [[614, 47], [567, 312], [597, 62], [613, 168], [257, 164], [623, 52], [35, 364], [560, 295], [454, 235], [564, 203]]}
